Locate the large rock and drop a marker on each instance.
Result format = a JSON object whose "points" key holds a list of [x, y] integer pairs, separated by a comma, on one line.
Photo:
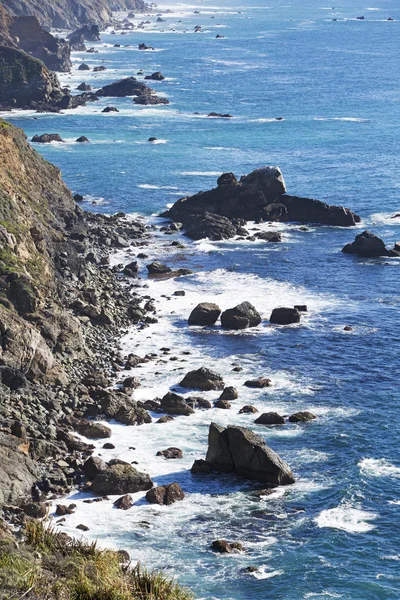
{"points": [[238, 450], [205, 313], [367, 245], [18, 472], [242, 316], [173, 404], [203, 379], [259, 196], [121, 407], [165, 494], [129, 86], [121, 479], [93, 466], [89, 33], [285, 316], [47, 138], [270, 418], [92, 430]]}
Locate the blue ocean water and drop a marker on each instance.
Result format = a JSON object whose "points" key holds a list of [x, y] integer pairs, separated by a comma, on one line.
{"points": [[336, 84]]}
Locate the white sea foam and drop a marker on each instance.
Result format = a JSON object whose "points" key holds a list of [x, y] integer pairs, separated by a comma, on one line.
{"points": [[371, 467], [263, 573], [149, 186], [346, 518], [351, 119], [201, 173]]}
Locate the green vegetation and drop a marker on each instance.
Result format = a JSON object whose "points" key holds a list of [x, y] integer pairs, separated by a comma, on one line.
{"points": [[49, 565]]}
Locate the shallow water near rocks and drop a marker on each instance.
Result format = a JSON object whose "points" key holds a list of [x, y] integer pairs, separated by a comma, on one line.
{"points": [[334, 534]]}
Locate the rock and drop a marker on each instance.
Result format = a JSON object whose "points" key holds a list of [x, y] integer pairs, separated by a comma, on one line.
{"points": [[129, 86], [248, 409], [62, 510], [89, 32], [301, 307], [78, 198], [84, 87], [170, 453], [347, 328], [242, 316], [152, 139], [259, 196], [93, 466], [18, 472], [157, 76], [285, 316], [99, 69], [35, 510], [121, 479], [270, 418], [165, 494], [92, 430], [203, 379], [224, 547], [131, 269], [47, 138], [222, 404], [238, 450], [120, 406], [197, 402], [201, 467], [174, 404], [260, 382], [110, 109], [367, 245], [157, 268], [82, 139], [269, 236], [229, 393], [179, 293], [83, 67], [205, 313], [108, 446], [220, 115], [18, 429], [124, 502], [165, 419], [82, 527], [302, 417], [144, 47]]}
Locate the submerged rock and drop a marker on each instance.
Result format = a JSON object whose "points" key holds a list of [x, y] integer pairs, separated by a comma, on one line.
{"points": [[203, 379], [205, 313], [242, 316], [238, 450]]}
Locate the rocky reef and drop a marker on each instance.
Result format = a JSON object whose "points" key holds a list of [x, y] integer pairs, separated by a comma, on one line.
{"points": [[260, 196]]}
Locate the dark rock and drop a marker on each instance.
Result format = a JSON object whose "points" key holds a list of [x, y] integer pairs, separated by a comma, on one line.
{"points": [[302, 417], [120, 406], [308, 210], [110, 109], [78, 198], [35, 510], [157, 76], [197, 402], [170, 453], [84, 87], [220, 115], [174, 404], [165, 494], [131, 269], [152, 139], [260, 382], [239, 450], [129, 86], [99, 69], [83, 67], [108, 446], [347, 328], [229, 393], [82, 527], [90, 33], [222, 404], [285, 316], [270, 418], [179, 293], [367, 245], [82, 139], [92, 430], [205, 313], [201, 467], [145, 47], [62, 510], [124, 502], [203, 379], [18, 429], [93, 466], [121, 479], [269, 236], [157, 268], [46, 138], [207, 225], [248, 409], [227, 179], [301, 307], [224, 547], [242, 316], [165, 419]]}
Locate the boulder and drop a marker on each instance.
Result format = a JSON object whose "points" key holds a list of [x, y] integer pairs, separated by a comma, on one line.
{"points": [[46, 138], [129, 86], [99, 69], [205, 313], [35, 510], [165, 419], [131, 269], [285, 316], [269, 236], [242, 316], [62, 510], [203, 379], [270, 418], [198, 402], [110, 109], [259, 383], [82, 139], [121, 479], [157, 268], [201, 467], [120, 406], [302, 417], [238, 450], [83, 67], [308, 210], [157, 76], [90, 33], [229, 393], [301, 307], [84, 87], [170, 453], [222, 404], [174, 404], [124, 502], [145, 47], [92, 430], [367, 245], [93, 466], [224, 547], [248, 409], [165, 494], [220, 115], [208, 225]]}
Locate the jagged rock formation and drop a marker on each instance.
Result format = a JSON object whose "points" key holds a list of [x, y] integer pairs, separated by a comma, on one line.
{"points": [[130, 86], [259, 196], [68, 14], [368, 245]]}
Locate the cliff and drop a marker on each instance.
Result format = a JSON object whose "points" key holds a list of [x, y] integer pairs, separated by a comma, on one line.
{"points": [[69, 14]]}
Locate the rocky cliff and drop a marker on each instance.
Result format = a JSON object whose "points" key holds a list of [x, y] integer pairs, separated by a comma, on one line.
{"points": [[68, 14]]}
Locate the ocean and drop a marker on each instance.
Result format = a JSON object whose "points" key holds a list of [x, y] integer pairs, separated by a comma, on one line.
{"points": [[336, 86]]}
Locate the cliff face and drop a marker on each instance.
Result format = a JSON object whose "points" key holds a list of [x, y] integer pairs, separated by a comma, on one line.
{"points": [[68, 14]]}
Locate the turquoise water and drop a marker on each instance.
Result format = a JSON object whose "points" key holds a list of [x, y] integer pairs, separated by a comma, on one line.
{"points": [[335, 534]]}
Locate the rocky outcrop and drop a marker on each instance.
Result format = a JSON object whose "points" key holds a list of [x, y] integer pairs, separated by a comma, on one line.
{"points": [[203, 379], [205, 313], [270, 418], [242, 316], [259, 196], [18, 472], [130, 86], [165, 494], [39, 43], [369, 245], [121, 479], [46, 138], [238, 450], [68, 14], [173, 404], [285, 316]]}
